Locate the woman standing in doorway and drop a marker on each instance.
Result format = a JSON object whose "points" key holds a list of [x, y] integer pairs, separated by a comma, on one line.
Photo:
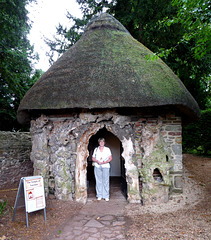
{"points": [[102, 157]]}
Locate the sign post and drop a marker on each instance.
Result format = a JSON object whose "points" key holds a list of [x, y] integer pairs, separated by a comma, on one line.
{"points": [[30, 194]]}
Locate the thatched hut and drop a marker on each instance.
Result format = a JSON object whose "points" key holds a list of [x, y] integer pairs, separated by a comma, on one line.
{"points": [[104, 86]]}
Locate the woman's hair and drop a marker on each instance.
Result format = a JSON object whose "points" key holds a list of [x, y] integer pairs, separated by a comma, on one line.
{"points": [[101, 139]]}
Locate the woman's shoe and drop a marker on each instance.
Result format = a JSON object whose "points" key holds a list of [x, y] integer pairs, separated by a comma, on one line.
{"points": [[107, 199]]}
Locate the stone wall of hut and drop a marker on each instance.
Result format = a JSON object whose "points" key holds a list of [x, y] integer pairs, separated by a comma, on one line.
{"points": [[15, 148], [159, 157], [152, 149]]}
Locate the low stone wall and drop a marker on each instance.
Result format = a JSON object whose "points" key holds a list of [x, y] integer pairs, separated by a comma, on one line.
{"points": [[15, 148]]}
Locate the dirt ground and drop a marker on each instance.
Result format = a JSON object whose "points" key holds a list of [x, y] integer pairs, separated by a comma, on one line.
{"points": [[187, 217]]}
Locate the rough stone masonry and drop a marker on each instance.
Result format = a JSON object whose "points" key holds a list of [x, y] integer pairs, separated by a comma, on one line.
{"points": [[152, 149], [15, 148]]}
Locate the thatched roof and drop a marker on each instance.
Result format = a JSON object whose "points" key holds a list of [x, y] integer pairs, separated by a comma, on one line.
{"points": [[106, 68]]}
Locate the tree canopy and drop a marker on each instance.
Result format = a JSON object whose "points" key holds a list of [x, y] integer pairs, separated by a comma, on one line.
{"points": [[195, 17], [177, 30], [16, 54]]}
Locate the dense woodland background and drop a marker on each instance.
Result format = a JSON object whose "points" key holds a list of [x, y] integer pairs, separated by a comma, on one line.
{"points": [[178, 31]]}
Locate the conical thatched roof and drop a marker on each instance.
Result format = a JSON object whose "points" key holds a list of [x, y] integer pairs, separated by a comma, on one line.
{"points": [[107, 68]]}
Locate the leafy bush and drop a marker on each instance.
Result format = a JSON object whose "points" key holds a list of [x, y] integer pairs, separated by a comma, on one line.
{"points": [[197, 136]]}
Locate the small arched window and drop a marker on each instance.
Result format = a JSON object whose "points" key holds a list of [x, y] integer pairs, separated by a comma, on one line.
{"points": [[157, 175]]}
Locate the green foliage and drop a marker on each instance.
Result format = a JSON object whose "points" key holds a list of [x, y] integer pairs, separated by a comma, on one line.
{"points": [[65, 37], [3, 207], [142, 19], [194, 15], [16, 54], [196, 136], [189, 58], [178, 31]]}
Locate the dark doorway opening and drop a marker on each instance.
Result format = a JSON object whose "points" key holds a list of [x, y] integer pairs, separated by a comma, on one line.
{"points": [[118, 185], [123, 175]]}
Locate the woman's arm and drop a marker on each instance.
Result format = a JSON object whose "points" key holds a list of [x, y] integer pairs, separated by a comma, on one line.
{"points": [[95, 160], [109, 159]]}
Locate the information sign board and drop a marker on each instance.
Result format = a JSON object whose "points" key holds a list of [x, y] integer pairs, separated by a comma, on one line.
{"points": [[34, 193], [32, 190]]}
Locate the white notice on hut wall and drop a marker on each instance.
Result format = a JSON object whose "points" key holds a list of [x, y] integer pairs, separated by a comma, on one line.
{"points": [[34, 193]]}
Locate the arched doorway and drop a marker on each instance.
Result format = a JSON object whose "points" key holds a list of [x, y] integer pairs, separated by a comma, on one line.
{"points": [[118, 185], [128, 166]]}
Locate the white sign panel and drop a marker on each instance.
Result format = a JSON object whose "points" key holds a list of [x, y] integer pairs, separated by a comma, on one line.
{"points": [[30, 194], [34, 193]]}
